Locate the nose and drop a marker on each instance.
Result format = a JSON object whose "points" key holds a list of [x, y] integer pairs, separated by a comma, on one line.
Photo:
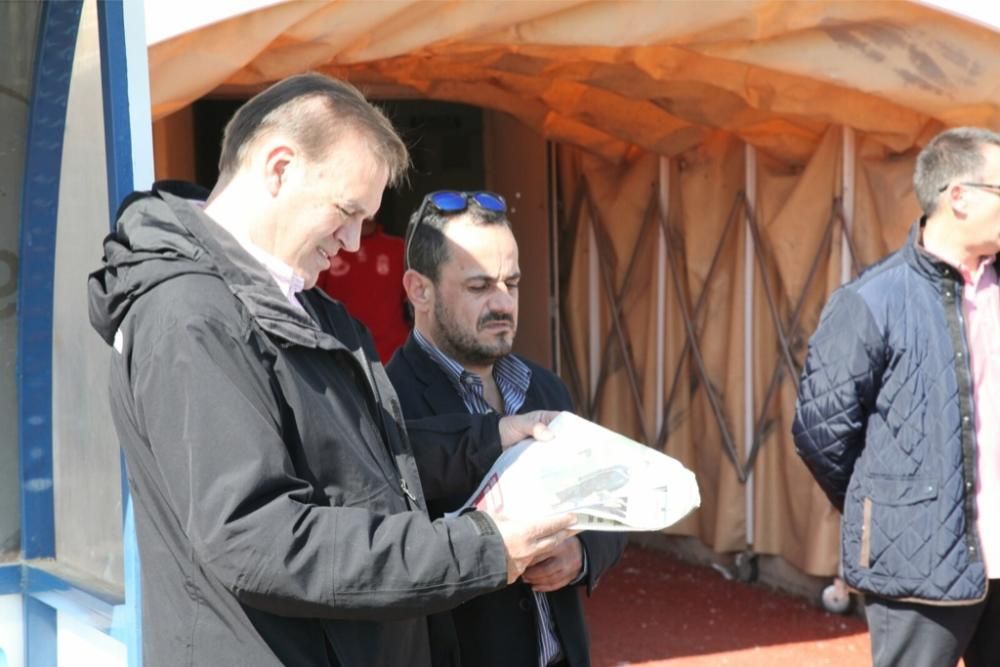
{"points": [[349, 236], [503, 301]]}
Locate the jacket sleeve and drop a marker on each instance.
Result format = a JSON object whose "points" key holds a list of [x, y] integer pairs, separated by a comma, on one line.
{"points": [[604, 549], [456, 452], [837, 392], [204, 400]]}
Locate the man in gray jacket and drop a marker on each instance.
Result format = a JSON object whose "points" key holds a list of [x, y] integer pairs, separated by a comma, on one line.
{"points": [[279, 509]]}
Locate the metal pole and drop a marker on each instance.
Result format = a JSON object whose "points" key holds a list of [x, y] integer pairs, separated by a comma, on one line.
{"points": [[661, 288], [129, 149], [846, 260], [593, 309], [750, 181], [554, 321]]}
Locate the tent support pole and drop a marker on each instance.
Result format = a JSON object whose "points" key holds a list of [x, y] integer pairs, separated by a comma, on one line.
{"points": [[593, 311], [846, 256], [750, 179], [555, 322], [661, 287]]}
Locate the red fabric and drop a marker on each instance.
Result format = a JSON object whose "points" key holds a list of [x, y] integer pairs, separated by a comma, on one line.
{"points": [[370, 283]]}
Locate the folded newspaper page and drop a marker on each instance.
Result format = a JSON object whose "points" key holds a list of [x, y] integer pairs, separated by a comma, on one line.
{"points": [[609, 481]]}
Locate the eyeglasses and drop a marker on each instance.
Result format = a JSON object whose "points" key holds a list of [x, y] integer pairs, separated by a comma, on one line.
{"points": [[989, 187], [452, 201]]}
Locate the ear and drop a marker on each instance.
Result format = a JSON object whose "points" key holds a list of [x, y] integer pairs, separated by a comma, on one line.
{"points": [[278, 158], [956, 199], [419, 290], [961, 205]]}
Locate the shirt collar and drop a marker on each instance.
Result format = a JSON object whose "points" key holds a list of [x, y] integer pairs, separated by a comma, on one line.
{"points": [[288, 281], [513, 376], [970, 274], [451, 368]]}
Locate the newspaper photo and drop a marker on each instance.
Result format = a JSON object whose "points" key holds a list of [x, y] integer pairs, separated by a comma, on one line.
{"points": [[609, 481]]}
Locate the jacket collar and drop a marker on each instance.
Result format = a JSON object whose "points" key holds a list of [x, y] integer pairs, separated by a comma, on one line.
{"points": [[248, 280], [925, 263], [438, 390]]}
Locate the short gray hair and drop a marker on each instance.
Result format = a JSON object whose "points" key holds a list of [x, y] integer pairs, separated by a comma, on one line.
{"points": [[953, 154]]}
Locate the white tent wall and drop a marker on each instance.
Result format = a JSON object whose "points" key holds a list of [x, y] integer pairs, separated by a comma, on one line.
{"points": [[649, 101]]}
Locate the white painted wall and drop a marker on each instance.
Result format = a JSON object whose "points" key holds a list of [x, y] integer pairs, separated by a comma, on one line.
{"points": [[11, 631], [86, 462], [80, 645], [18, 25]]}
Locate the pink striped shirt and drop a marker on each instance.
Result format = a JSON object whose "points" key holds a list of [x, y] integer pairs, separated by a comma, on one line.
{"points": [[981, 305]]}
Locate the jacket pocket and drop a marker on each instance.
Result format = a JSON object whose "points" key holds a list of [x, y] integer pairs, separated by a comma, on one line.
{"points": [[865, 556], [898, 526], [899, 492]]}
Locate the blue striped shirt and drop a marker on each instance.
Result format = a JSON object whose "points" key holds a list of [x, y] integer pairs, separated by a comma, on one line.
{"points": [[513, 378]]}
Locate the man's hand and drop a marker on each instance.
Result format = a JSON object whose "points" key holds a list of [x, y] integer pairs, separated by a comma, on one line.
{"points": [[558, 570], [515, 428], [532, 541]]}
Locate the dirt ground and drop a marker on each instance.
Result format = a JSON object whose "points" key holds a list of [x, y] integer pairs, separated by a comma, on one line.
{"points": [[653, 610]]}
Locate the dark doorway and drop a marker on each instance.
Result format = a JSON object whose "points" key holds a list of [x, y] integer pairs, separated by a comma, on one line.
{"points": [[445, 141]]}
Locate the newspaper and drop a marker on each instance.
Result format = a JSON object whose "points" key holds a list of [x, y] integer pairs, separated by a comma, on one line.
{"points": [[609, 481]]}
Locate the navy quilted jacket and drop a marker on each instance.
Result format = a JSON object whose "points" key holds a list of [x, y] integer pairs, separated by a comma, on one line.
{"points": [[884, 421]]}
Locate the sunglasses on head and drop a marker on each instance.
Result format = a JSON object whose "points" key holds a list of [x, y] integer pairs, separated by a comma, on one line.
{"points": [[453, 201]]}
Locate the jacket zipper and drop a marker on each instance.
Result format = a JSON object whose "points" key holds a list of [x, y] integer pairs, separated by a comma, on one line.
{"points": [[406, 490], [369, 376], [969, 472]]}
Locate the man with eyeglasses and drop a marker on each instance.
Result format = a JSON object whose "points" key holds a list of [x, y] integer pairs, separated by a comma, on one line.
{"points": [[898, 418], [462, 280], [279, 510]]}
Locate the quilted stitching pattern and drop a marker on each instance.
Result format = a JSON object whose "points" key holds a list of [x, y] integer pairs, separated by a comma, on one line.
{"points": [[879, 419]]}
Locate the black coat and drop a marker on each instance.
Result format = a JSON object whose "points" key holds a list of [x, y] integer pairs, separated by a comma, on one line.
{"points": [[279, 512], [497, 629]]}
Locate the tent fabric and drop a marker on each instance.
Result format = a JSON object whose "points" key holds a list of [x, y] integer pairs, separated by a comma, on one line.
{"points": [[794, 206], [610, 75], [618, 86]]}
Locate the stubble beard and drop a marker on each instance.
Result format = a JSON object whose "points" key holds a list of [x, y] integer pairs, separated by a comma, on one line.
{"points": [[463, 346]]}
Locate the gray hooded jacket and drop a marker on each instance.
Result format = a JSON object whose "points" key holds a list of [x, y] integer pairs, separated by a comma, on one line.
{"points": [[279, 509]]}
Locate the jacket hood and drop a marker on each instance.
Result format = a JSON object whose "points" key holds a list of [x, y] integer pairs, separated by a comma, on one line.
{"points": [[162, 234], [149, 246]]}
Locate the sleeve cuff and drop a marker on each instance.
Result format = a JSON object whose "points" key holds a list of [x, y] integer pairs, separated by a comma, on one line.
{"points": [[584, 569]]}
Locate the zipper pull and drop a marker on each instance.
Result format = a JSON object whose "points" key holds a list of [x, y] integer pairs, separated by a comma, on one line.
{"points": [[406, 490]]}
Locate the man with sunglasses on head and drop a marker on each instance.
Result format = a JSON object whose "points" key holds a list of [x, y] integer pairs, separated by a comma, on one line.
{"points": [[898, 418], [462, 281], [279, 509]]}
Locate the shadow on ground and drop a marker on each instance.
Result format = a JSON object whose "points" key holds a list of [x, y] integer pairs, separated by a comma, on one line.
{"points": [[655, 610]]}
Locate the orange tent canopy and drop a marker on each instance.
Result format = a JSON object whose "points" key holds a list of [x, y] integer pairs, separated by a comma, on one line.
{"points": [[606, 76]]}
